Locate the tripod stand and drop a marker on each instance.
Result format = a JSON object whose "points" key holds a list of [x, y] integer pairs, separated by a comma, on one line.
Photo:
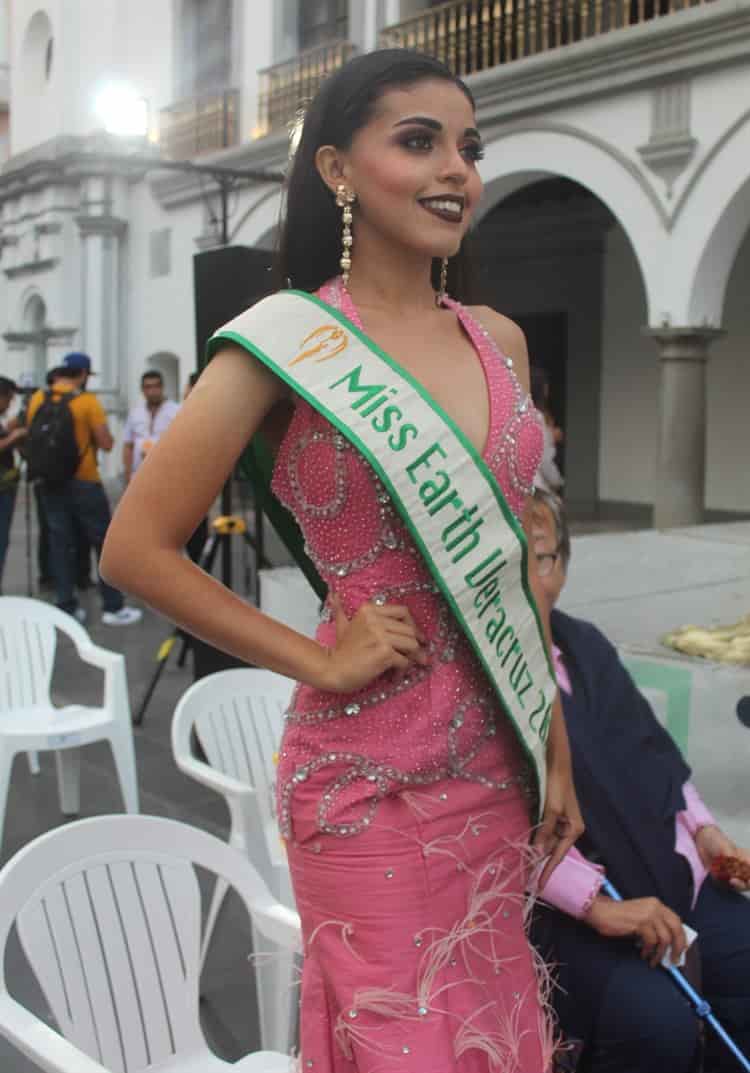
{"points": [[222, 531], [27, 521]]}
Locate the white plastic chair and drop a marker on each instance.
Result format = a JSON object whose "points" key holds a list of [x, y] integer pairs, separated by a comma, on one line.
{"points": [[238, 717], [28, 720], [108, 912]]}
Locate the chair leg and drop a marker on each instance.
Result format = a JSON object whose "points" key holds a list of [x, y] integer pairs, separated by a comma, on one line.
{"points": [[123, 754], [6, 765], [33, 759], [277, 986], [68, 764], [220, 889]]}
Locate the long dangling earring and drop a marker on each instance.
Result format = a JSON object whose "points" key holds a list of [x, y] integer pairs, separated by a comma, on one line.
{"points": [[345, 199], [443, 282]]}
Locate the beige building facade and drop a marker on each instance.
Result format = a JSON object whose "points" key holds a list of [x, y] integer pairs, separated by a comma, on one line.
{"points": [[615, 225]]}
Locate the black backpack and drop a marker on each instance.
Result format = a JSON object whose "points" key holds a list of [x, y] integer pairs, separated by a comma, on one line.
{"points": [[51, 447]]}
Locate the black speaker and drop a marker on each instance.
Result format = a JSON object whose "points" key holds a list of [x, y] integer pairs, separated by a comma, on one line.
{"points": [[226, 281]]}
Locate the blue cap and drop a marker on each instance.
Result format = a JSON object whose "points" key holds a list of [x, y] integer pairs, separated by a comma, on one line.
{"points": [[76, 362]]}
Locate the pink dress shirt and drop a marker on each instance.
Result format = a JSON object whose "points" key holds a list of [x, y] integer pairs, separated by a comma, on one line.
{"points": [[575, 882]]}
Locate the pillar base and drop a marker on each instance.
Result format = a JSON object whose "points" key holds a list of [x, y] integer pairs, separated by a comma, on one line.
{"points": [[681, 458]]}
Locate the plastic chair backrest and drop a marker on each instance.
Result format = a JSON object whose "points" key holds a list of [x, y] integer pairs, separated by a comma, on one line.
{"points": [[27, 652], [239, 721], [109, 915]]}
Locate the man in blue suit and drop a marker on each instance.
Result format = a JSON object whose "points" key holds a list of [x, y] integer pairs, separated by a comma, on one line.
{"points": [[648, 830]]}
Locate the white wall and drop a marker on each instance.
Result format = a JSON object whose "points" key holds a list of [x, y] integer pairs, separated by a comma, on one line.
{"points": [[94, 42], [630, 382], [593, 139], [256, 30], [160, 316], [728, 447], [36, 103]]}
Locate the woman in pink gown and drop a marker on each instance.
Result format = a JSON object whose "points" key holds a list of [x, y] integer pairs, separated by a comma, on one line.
{"points": [[403, 793]]}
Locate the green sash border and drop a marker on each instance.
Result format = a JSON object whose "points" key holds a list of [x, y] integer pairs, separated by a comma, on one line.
{"points": [[223, 336]]}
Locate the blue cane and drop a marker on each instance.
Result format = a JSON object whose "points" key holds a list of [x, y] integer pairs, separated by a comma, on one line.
{"points": [[701, 1007]]}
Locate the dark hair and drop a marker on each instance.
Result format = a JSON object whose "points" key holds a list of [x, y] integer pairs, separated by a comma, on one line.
{"points": [[55, 374], [152, 374], [309, 244], [7, 387], [193, 379], [539, 386]]}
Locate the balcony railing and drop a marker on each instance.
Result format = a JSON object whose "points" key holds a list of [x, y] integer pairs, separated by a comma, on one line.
{"points": [[473, 35], [199, 125], [287, 86]]}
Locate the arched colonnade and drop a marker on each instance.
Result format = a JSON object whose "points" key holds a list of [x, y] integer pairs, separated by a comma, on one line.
{"points": [[684, 248]]}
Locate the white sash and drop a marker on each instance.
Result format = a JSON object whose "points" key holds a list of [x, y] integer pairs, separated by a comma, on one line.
{"points": [[447, 497]]}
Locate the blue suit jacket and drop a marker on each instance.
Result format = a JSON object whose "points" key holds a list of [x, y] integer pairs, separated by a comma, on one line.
{"points": [[629, 776]]}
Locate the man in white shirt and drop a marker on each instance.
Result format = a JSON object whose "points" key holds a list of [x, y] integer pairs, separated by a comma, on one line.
{"points": [[146, 422]]}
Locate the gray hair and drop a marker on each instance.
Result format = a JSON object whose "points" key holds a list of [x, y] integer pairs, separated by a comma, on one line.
{"points": [[556, 507]]}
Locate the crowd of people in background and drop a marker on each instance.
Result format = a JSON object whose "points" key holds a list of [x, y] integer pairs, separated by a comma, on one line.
{"points": [[72, 516], [11, 435], [60, 430]]}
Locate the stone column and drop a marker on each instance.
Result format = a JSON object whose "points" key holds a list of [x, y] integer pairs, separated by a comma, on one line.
{"points": [[681, 458], [102, 234]]}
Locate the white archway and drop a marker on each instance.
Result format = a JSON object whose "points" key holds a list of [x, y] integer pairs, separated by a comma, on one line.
{"points": [[34, 319], [519, 155], [711, 222], [34, 103], [37, 53]]}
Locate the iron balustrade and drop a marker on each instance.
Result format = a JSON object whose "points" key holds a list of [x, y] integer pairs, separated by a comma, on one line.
{"points": [[197, 125], [287, 86], [474, 35]]}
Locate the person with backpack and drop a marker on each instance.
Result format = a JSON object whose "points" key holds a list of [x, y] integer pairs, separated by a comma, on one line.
{"points": [[10, 436], [67, 426], [81, 548]]}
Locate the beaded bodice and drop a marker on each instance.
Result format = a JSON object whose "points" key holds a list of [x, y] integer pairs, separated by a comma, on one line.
{"points": [[438, 721]]}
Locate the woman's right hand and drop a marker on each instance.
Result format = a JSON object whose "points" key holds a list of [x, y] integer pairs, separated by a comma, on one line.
{"points": [[379, 638]]}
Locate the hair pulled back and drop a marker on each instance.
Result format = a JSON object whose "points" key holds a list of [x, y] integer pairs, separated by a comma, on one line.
{"points": [[310, 240]]}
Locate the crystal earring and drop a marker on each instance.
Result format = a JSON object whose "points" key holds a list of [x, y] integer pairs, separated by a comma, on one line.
{"points": [[345, 199], [443, 282]]}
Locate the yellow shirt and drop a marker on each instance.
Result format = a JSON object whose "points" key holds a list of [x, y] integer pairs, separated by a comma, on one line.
{"points": [[88, 414]]}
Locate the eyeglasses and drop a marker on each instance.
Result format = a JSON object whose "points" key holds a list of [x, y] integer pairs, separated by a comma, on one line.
{"points": [[545, 561]]}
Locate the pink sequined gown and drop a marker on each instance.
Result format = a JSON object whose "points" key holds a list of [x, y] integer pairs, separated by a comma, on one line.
{"points": [[406, 807]]}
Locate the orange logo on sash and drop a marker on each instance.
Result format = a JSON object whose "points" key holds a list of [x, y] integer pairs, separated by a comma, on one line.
{"points": [[327, 341]]}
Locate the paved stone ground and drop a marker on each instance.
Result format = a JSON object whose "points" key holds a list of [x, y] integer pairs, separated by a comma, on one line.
{"points": [[228, 1006], [637, 586]]}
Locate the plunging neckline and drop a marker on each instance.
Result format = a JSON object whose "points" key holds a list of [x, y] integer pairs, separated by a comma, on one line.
{"points": [[349, 309]]}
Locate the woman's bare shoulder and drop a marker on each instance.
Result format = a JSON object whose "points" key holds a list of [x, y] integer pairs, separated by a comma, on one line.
{"points": [[508, 337], [239, 367]]}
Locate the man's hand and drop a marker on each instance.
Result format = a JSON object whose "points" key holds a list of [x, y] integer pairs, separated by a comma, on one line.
{"points": [[647, 919], [711, 843]]}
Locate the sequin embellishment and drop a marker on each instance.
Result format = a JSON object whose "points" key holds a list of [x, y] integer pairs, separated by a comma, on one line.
{"points": [[436, 723]]}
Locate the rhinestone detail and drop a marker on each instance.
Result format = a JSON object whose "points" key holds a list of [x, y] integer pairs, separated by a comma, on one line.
{"points": [[349, 523], [335, 505], [385, 778]]}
